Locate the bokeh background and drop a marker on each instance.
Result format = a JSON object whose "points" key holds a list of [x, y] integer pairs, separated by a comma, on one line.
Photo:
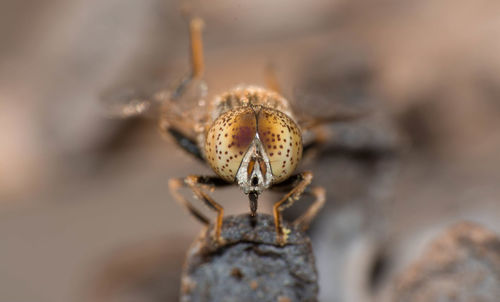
{"points": [[85, 212]]}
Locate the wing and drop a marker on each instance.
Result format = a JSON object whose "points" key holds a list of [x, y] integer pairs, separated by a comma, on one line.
{"points": [[182, 107], [125, 103], [335, 85], [185, 109]]}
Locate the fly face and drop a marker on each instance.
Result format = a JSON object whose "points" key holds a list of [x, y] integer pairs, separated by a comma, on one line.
{"points": [[253, 145], [254, 174]]}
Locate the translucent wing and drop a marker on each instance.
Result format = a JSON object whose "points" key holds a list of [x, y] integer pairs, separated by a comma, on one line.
{"points": [[124, 103], [333, 86], [180, 111], [185, 108], [337, 86], [186, 102]]}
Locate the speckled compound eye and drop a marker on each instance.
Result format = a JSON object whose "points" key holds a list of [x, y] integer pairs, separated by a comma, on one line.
{"points": [[282, 141], [228, 139]]}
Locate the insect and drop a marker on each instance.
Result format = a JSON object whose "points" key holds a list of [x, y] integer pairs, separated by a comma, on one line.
{"points": [[248, 135]]}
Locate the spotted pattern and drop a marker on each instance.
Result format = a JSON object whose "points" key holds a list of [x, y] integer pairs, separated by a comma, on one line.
{"points": [[282, 141], [228, 139]]}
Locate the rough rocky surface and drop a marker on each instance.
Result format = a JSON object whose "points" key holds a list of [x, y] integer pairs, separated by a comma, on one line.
{"points": [[461, 265], [249, 265]]}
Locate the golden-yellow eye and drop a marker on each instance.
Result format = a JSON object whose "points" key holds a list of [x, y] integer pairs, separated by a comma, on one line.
{"points": [[228, 139], [282, 141]]}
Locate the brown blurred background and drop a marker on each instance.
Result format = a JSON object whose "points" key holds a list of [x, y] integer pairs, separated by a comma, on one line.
{"points": [[85, 214]]}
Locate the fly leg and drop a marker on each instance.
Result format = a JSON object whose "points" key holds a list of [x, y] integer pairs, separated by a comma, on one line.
{"points": [[184, 141], [178, 112], [299, 185], [197, 64], [305, 219], [271, 78], [197, 184]]}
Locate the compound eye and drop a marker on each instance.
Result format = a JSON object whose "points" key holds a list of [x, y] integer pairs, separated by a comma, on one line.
{"points": [[282, 141], [228, 139]]}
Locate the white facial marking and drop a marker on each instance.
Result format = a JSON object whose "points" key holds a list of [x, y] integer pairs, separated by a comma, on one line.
{"points": [[245, 178]]}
